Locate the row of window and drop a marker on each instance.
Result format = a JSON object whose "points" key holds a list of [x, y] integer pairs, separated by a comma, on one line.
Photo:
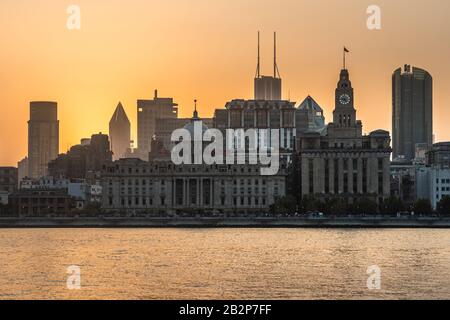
{"points": [[138, 201], [145, 182]]}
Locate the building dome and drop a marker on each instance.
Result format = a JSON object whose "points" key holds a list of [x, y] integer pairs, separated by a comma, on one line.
{"points": [[191, 125], [195, 119]]}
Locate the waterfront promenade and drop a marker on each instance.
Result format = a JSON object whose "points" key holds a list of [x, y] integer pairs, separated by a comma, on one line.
{"points": [[230, 222]]}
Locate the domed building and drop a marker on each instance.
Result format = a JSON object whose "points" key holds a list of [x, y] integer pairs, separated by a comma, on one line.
{"points": [[162, 143]]}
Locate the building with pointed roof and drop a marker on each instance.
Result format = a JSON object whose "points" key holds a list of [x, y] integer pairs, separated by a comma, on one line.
{"points": [[119, 132], [309, 117]]}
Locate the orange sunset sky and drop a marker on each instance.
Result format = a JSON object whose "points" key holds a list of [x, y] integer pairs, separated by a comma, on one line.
{"points": [[206, 49]]}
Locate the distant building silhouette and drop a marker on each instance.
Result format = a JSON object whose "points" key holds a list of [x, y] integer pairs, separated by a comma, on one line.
{"points": [[119, 133], [412, 112], [82, 161], [148, 111], [268, 87], [43, 137]]}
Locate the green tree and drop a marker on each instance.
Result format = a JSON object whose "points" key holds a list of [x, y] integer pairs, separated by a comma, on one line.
{"points": [[334, 206], [285, 205], [365, 206], [443, 206], [309, 203], [392, 205], [423, 207], [294, 179]]}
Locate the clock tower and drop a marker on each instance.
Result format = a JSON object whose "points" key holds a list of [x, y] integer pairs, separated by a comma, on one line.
{"points": [[344, 114]]}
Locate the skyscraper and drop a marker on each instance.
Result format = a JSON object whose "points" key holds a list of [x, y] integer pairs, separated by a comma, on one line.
{"points": [[268, 87], [119, 132], [148, 111], [43, 137], [412, 112]]}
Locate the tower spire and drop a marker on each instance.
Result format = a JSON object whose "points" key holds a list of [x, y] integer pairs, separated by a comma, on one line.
{"points": [[195, 116]]}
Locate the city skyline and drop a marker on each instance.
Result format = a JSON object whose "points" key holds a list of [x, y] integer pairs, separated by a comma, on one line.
{"points": [[204, 62]]}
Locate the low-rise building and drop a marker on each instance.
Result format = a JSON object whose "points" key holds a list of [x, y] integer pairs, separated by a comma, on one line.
{"points": [[8, 179], [433, 180], [4, 197], [433, 183], [133, 185], [41, 202]]}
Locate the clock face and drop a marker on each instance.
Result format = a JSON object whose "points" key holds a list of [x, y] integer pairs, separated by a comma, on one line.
{"points": [[344, 99]]}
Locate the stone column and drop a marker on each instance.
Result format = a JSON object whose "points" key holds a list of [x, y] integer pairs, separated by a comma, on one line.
{"points": [[319, 176], [350, 172], [341, 174], [360, 175], [331, 174], [386, 177], [305, 176], [373, 175]]}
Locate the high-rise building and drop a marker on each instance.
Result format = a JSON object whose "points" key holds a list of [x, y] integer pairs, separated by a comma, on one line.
{"points": [[148, 111], [268, 87], [119, 132], [43, 137], [412, 112]]}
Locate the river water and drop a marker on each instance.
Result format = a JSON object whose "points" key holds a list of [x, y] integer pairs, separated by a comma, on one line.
{"points": [[224, 263]]}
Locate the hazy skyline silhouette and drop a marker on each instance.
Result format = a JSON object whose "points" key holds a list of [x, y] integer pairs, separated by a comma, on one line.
{"points": [[207, 50]]}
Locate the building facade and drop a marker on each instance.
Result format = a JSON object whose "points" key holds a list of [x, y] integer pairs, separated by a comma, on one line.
{"points": [[412, 111], [43, 137], [8, 179], [340, 161], [263, 116], [160, 186], [404, 180], [439, 155], [41, 202], [119, 133], [148, 111], [433, 183], [433, 180]]}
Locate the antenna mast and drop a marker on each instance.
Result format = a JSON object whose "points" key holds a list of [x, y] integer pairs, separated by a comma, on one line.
{"points": [[258, 66], [275, 66]]}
